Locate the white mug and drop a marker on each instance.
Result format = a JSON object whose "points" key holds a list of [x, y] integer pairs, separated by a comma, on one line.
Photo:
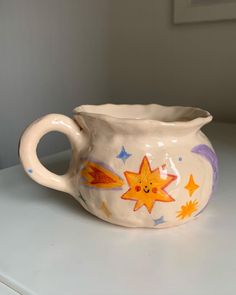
{"points": [[132, 165]]}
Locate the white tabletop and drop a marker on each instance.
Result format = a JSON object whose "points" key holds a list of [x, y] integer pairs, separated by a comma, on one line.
{"points": [[51, 246]]}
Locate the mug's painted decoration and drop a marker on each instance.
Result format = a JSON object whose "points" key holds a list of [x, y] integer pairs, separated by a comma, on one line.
{"points": [[148, 186], [159, 220], [206, 152], [113, 192], [188, 209], [105, 209], [123, 155], [98, 176], [191, 186]]}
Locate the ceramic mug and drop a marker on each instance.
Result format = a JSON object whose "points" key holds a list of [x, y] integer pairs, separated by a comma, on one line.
{"points": [[132, 165]]}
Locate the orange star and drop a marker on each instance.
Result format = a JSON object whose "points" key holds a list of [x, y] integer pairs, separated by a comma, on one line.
{"points": [[188, 209], [148, 186], [191, 186]]}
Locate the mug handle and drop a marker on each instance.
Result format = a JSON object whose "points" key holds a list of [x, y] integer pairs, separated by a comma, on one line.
{"points": [[28, 146]]}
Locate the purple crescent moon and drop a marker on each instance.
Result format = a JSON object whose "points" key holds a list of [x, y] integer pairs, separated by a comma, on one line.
{"points": [[206, 152], [210, 156]]}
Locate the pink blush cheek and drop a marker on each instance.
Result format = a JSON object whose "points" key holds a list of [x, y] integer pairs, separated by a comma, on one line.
{"points": [[154, 190], [138, 188]]}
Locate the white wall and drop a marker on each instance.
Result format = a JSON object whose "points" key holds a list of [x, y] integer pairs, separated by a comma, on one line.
{"points": [[52, 58], [57, 54], [156, 61]]}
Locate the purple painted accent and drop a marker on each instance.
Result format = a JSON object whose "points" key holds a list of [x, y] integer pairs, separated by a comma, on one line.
{"points": [[159, 220], [98, 188], [123, 155], [210, 156]]}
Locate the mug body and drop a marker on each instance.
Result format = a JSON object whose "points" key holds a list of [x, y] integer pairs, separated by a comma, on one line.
{"points": [[132, 165], [137, 173]]}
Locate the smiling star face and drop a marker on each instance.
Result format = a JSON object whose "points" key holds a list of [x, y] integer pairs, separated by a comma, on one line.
{"points": [[148, 186]]}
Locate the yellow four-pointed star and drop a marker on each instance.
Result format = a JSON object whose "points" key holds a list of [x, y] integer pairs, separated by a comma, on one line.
{"points": [[191, 186]]}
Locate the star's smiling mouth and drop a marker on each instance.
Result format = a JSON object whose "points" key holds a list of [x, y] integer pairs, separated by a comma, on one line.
{"points": [[146, 190]]}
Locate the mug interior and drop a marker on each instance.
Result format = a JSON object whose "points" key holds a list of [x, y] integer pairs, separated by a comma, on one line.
{"points": [[167, 114]]}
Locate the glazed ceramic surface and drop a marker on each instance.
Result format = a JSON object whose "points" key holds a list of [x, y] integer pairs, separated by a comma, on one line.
{"points": [[132, 165]]}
